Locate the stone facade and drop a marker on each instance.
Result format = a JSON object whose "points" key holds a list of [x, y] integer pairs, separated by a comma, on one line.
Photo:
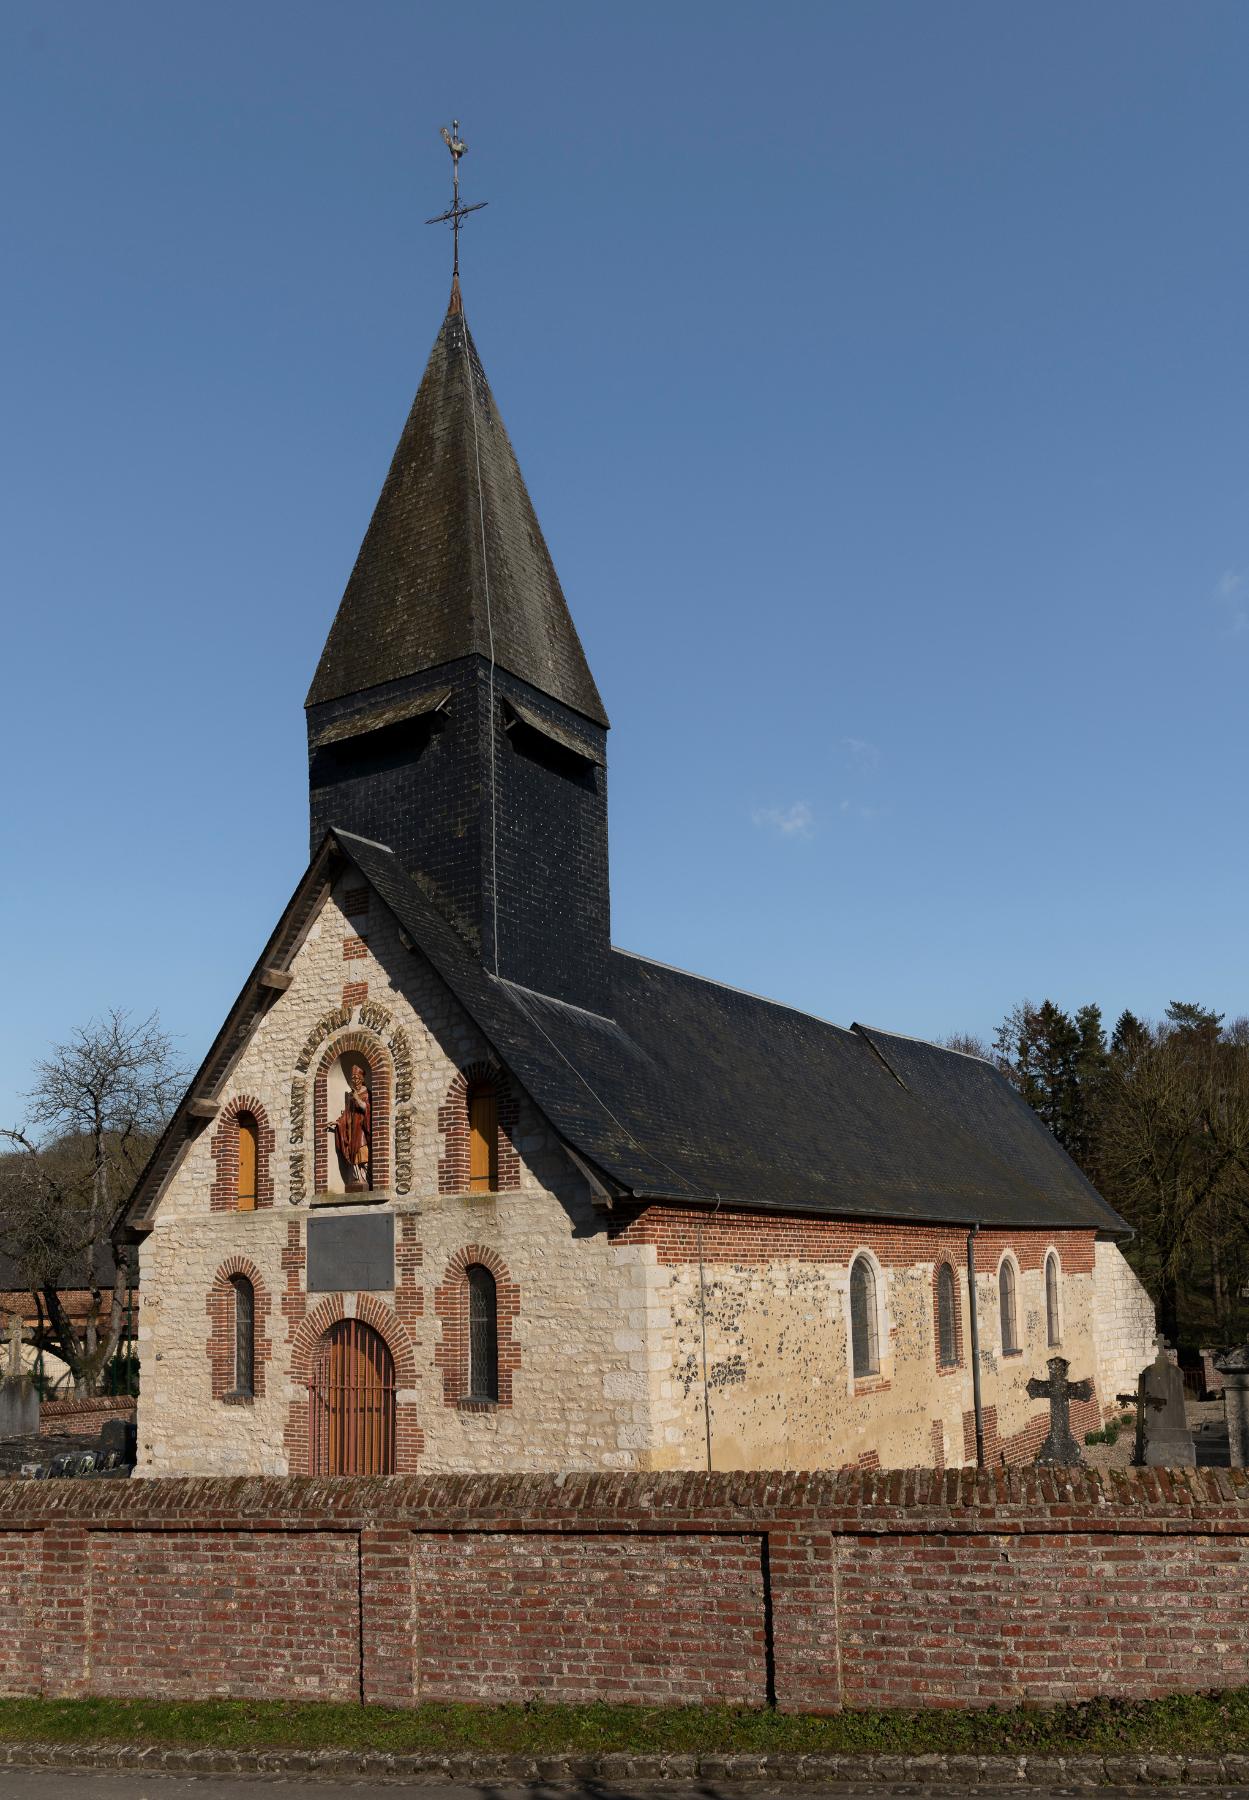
{"points": [[582, 1399], [1125, 1325], [601, 1341], [778, 1389]]}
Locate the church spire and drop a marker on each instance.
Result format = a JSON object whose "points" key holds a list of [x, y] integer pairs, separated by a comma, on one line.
{"points": [[454, 562], [453, 715]]}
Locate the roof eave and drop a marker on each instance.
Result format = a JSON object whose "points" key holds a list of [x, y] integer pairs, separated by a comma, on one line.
{"points": [[253, 1001]]}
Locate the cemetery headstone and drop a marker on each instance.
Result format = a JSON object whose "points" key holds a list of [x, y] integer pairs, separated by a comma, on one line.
{"points": [[1163, 1438], [1059, 1446], [1232, 1367], [119, 1439]]}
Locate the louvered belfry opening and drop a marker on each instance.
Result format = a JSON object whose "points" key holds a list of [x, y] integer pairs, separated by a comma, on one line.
{"points": [[352, 1403]]}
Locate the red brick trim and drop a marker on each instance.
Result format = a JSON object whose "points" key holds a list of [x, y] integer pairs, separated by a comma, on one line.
{"points": [[220, 1308], [451, 1306], [944, 1262], [354, 948], [355, 902], [453, 1123], [938, 1445], [409, 1257], [739, 1236], [355, 993], [224, 1194], [364, 1044], [294, 1299], [409, 1438]]}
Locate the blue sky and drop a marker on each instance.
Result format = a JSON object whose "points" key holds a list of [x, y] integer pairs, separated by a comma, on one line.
{"points": [[879, 375]]}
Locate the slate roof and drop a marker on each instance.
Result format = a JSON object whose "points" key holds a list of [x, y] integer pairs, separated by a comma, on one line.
{"points": [[417, 596], [694, 1092]]}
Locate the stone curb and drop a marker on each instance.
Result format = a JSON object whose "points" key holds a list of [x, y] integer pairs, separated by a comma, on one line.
{"points": [[470, 1768]]}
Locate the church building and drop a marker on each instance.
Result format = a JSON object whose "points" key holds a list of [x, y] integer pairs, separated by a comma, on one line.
{"points": [[461, 1186]]}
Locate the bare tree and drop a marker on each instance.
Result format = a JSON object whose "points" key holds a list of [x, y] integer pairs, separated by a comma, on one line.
{"points": [[95, 1107]]}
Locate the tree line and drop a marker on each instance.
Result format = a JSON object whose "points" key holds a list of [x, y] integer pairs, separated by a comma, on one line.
{"points": [[1156, 1114]]}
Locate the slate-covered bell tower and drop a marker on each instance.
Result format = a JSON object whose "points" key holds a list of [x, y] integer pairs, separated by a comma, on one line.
{"points": [[453, 716]]}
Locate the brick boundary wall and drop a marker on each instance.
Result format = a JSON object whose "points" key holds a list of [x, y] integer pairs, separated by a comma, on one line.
{"points": [[813, 1592], [84, 1418]]}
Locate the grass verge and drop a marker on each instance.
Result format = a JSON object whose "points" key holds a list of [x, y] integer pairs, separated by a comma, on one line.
{"points": [[1190, 1722]]}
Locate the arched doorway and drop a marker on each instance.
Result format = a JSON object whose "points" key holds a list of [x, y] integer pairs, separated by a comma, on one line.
{"points": [[351, 1410]]}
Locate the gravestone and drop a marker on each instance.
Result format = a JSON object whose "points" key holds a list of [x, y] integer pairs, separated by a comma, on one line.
{"points": [[1163, 1439], [19, 1401], [119, 1439], [1059, 1446], [1232, 1367]]}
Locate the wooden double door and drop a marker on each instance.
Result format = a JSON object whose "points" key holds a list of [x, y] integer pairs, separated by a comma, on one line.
{"points": [[351, 1413]]}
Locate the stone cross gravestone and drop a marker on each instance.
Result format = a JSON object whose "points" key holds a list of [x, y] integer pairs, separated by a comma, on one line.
{"points": [[1163, 1439], [1059, 1445], [1233, 1368]]}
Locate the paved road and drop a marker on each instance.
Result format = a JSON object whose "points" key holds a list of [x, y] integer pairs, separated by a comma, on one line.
{"points": [[67, 1784]]}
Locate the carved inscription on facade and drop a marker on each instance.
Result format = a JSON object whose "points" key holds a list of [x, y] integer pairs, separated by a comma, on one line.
{"points": [[403, 1150], [332, 1021], [297, 1110], [297, 1178], [401, 1051], [374, 1017]]}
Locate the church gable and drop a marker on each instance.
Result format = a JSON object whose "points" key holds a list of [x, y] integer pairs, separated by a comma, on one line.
{"points": [[358, 1083]]}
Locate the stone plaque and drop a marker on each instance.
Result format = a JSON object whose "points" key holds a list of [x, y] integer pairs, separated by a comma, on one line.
{"points": [[346, 1255]]}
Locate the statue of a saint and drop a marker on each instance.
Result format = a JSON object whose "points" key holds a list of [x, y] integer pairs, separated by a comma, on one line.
{"points": [[353, 1131]]}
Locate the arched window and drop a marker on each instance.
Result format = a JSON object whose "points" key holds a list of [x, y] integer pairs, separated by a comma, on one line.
{"points": [[483, 1138], [244, 1335], [483, 1333], [1006, 1302], [249, 1157], [1053, 1324], [864, 1338], [947, 1318]]}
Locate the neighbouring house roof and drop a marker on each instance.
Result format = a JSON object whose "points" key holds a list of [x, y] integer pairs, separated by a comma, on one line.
{"points": [[454, 562], [75, 1274], [696, 1093]]}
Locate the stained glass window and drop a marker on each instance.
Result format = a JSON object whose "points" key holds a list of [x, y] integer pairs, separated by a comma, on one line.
{"points": [[1053, 1325], [483, 1334], [244, 1334], [864, 1342], [1006, 1300], [947, 1332]]}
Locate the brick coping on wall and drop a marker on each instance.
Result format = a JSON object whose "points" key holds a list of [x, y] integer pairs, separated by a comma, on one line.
{"points": [[118, 1406], [1045, 1773], [843, 1501], [809, 1592]]}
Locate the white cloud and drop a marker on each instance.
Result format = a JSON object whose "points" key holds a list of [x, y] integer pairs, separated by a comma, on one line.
{"points": [[795, 820], [864, 755], [1231, 593]]}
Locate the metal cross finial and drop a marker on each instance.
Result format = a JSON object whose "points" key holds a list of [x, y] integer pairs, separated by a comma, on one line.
{"points": [[456, 145]]}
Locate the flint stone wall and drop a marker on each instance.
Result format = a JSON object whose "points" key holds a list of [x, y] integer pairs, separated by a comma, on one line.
{"points": [[810, 1591]]}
